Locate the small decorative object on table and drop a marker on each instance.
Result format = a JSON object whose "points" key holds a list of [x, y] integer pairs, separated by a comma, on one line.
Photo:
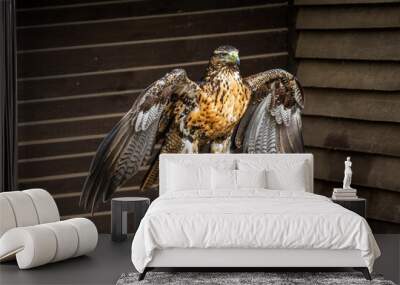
{"points": [[347, 192], [347, 196], [120, 207]]}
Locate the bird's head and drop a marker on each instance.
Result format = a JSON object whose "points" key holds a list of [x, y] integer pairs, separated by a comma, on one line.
{"points": [[226, 55]]}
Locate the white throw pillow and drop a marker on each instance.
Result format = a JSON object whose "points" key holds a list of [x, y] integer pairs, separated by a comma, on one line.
{"points": [[251, 178], [188, 177], [280, 175], [291, 178], [224, 179]]}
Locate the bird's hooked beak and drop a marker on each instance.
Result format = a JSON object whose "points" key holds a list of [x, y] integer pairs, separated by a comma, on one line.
{"points": [[235, 57]]}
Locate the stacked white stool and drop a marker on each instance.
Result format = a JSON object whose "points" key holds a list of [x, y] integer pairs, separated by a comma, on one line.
{"points": [[31, 230]]}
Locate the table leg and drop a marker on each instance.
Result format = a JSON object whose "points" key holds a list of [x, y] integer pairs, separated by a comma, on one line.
{"points": [[117, 233]]}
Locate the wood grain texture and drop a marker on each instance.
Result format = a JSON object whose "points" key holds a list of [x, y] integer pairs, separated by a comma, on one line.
{"points": [[51, 167], [122, 80], [348, 54], [64, 187], [383, 227], [67, 205], [353, 104], [381, 205], [342, 2], [369, 170], [144, 54], [56, 148], [362, 75], [82, 64], [81, 127], [51, 4], [52, 13], [149, 7], [76, 107], [352, 135], [178, 25], [345, 17], [376, 45]]}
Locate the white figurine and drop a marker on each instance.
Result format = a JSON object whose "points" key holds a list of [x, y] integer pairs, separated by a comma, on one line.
{"points": [[347, 174]]}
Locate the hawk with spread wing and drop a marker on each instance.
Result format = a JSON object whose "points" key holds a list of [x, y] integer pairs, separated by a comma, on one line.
{"points": [[257, 114]]}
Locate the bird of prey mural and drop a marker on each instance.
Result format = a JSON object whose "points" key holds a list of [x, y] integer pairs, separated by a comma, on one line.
{"points": [[257, 114]]}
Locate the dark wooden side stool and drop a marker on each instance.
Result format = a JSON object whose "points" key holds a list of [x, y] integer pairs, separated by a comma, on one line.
{"points": [[357, 205], [120, 207]]}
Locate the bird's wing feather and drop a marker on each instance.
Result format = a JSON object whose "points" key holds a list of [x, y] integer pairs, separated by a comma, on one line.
{"points": [[123, 150], [272, 122]]}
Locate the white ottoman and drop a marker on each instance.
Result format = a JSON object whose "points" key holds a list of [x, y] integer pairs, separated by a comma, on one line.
{"points": [[31, 232]]}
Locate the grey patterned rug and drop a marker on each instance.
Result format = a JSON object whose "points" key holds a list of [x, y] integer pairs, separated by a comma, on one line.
{"points": [[243, 278]]}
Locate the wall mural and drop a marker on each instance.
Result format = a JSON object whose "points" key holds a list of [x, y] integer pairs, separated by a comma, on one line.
{"points": [[225, 112]]}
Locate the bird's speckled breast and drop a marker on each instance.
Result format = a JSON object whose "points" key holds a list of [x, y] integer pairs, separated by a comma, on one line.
{"points": [[222, 104]]}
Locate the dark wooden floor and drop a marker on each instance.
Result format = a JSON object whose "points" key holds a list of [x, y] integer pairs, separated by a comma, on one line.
{"points": [[110, 260]]}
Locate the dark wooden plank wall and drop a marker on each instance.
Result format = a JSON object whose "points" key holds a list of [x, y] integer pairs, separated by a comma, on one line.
{"points": [[81, 64], [348, 56]]}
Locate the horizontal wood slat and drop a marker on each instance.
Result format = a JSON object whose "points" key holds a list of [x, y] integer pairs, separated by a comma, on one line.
{"points": [[370, 170], [383, 227], [152, 28], [342, 135], [349, 75], [69, 205], [103, 223], [149, 6], [76, 108], [65, 186], [381, 205], [82, 64], [37, 150], [353, 104], [125, 80], [352, 135], [344, 2], [373, 170], [344, 17], [118, 9], [376, 45], [147, 54], [52, 4], [67, 129], [58, 109], [348, 54], [55, 167]]}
